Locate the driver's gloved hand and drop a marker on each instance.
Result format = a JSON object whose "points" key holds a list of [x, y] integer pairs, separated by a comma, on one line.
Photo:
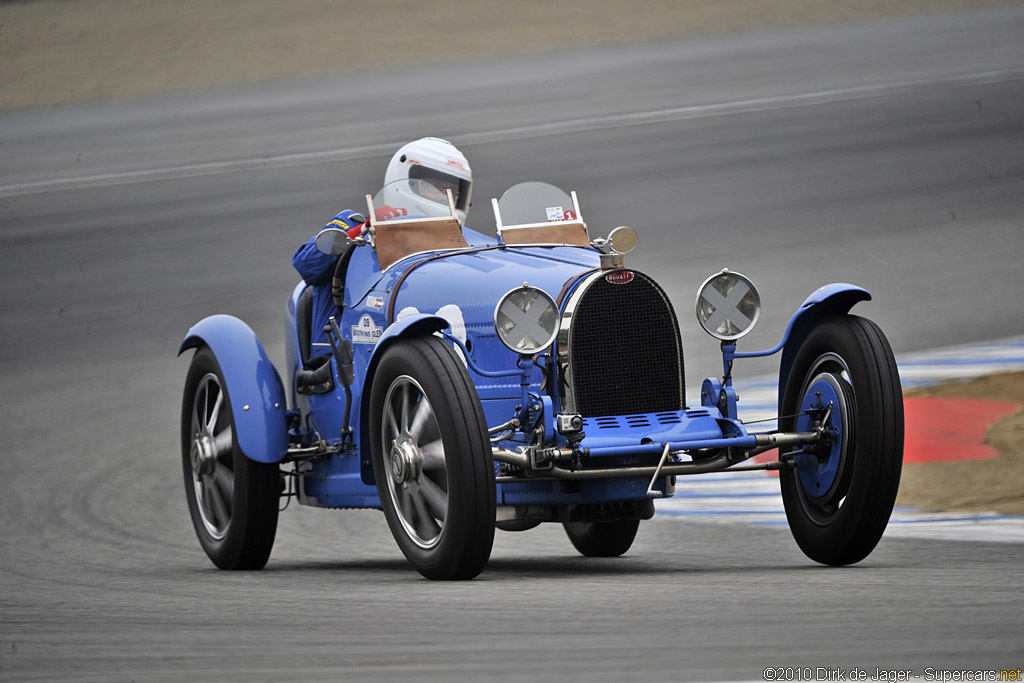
{"points": [[380, 214], [386, 213]]}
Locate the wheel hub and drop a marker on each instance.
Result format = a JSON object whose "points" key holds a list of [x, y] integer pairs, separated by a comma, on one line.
{"points": [[820, 471], [405, 460], [204, 455]]}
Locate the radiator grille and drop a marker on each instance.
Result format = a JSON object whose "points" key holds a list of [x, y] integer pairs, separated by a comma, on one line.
{"points": [[625, 355]]}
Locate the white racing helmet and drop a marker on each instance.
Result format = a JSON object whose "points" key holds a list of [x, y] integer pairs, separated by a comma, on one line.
{"points": [[432, 165]]}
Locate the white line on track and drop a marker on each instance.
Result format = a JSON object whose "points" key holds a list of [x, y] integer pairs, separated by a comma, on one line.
{"points": [[754, 498], [577, 125]]}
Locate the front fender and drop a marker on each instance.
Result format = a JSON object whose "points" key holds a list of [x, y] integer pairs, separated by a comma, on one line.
{"points": [[834, 299], [253, 385]]}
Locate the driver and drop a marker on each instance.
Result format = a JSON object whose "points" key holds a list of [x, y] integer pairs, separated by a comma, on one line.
{"points": [[427, 168]]}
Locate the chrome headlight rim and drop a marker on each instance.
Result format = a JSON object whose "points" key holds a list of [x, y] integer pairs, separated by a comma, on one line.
{"points": [[734, 298], [550, 307]]}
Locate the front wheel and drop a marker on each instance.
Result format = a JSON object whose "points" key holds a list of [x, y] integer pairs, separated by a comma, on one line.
{"points": [[432, 459], [232, 500], [602, 539], [840, 495]]}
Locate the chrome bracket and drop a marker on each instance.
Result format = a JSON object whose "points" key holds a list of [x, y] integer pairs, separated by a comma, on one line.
{"points": [[651, 493]]}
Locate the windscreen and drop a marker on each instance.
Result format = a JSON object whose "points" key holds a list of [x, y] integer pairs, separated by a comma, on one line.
{"points": [[535, 202], [410, 198]]}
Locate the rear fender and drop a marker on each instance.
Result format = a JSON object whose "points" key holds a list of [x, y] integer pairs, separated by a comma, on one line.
{"points": [[833, 299], [409, 326], [254, 387]]}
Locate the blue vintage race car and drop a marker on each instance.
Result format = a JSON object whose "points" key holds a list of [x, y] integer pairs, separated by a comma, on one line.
{"points": [[469, 382]]}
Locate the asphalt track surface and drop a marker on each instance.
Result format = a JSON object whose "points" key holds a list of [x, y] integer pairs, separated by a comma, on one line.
{"points": [[883, 154]]}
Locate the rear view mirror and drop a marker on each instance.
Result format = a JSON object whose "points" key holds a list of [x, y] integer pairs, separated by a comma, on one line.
{"points": [[332, 241]]}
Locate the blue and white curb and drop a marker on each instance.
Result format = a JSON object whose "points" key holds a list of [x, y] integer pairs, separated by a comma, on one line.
{"points": [[961, 362], [754, 498]]}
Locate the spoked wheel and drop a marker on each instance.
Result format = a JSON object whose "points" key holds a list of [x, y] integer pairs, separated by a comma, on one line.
{"points": [[432, 459], [602, 539], [233, 501], [840, 495]]}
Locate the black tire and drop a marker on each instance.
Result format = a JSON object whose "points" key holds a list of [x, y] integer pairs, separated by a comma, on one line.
{"points": [[838, 504], [435, 475], [602, 539], [233, 501]]}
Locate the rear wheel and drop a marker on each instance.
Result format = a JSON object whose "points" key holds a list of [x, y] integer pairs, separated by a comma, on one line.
{"points": [[432, 459], [233, 501], [602, 539], [839, 497]]}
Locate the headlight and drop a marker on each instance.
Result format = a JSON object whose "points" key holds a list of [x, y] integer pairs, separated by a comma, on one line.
{"points": [[526, 320], [728, 305]]}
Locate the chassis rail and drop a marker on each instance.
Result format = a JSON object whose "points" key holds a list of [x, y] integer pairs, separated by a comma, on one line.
{"points": [[737, 450], [714, 465]]}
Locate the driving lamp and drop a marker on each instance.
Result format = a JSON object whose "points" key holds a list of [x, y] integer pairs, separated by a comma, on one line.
{"points": [[622, 239], [526, 320], [728, 305]]}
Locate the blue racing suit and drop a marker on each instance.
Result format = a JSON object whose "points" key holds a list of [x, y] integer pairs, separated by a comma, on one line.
{"points": [[317, 270]]}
